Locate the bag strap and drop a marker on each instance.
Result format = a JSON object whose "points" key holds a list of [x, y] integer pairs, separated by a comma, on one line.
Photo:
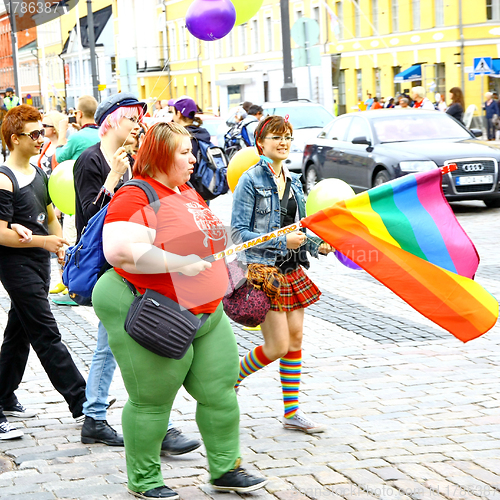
{"points": [[8, 172], [284, 200], [133, 289], [150, 191]]}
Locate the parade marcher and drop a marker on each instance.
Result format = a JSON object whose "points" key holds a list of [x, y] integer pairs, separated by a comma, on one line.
{"points": [[376, 104], [25, 272], [419, 99], [256, 210], [10, 100], [3, 112], [99, 171], [50, 122], [491, 108], [249, 124], [457, 105], [162, 251], [369, 102]]}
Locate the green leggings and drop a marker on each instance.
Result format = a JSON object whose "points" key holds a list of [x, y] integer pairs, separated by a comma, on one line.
{"points": [[208, 371]]}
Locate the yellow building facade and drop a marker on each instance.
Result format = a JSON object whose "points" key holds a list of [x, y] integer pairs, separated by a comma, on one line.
{"points": [[375, 39]]}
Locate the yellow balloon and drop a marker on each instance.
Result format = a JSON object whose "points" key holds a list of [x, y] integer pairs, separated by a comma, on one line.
{"points": [[62, 187], [240, 163], [246, 9], [326, 193]]}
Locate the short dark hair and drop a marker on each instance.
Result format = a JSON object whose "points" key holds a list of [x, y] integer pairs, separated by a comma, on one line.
{"points": [[255, 109], [246, 105]]}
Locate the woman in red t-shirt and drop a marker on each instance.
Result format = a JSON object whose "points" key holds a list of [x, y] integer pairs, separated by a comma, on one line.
{"points": [[163, 251]]}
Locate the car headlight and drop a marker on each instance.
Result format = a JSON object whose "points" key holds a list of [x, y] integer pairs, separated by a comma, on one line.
{"points": [[417, 166]]}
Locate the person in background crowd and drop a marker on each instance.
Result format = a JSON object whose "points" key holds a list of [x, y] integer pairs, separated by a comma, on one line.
{"points": [[457, 105], [100, 171], [3, 112], [25, 273], [369, 102], [50, 122], [255, 113], [376, 104], [440, 103], [491, 108], [10, 100], [185, 115], [390, 103], [239, 114], [209, 368], [404, 102], [419, 99]]}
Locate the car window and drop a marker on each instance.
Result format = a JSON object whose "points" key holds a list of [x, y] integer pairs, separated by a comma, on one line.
{"points": [[358, 128], [338, 129], [313, 116], [418, 127]]}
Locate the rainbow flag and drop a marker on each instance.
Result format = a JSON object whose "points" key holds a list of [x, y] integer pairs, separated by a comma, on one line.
{"points": [[405, 234]]}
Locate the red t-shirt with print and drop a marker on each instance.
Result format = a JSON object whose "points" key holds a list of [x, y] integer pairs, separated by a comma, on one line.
{"points": [[184, 225]]}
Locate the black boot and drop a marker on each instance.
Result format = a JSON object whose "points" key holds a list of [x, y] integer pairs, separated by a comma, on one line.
{"points": [[175, 443], [239, 480], [99, 431]]}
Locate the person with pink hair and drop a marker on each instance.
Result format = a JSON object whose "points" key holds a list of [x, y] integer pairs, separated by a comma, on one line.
{"points": [[99, 172]]}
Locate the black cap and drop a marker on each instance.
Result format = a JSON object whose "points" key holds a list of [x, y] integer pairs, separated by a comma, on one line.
{"points": [[112, 103]]}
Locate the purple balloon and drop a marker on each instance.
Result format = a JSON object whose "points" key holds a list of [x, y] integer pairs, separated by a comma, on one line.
{"points": [[346, 261], [210, 20]]}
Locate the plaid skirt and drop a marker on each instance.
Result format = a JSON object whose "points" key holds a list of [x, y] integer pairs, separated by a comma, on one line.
{"points": [[297, 292]]}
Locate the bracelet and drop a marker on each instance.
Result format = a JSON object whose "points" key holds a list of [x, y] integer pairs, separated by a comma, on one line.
{"points": [[116, 172]]}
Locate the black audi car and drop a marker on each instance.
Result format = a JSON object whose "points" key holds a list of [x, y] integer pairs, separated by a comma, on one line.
{"points": [[368, 148]]}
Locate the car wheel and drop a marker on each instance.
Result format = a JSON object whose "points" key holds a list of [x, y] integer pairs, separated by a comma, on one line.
{"points": [[312, 178], [495, 203], [381, 178]]}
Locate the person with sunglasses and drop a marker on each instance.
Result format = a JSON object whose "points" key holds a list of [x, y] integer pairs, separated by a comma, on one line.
{"points": [[257, 202], [25, 272], [99, 172]]}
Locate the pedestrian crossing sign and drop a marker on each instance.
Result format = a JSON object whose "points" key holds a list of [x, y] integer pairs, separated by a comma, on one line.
{"points": [[483, 66]]}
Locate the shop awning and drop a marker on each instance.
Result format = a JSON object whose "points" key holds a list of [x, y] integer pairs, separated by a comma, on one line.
{"points": [[496, 68], [411, 74]]}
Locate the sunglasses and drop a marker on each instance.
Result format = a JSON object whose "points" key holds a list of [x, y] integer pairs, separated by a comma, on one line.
{"points": [[35, 134]]}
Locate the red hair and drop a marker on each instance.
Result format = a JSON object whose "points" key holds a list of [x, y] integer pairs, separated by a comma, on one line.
{"points": [[14, 121], [157, 150]]}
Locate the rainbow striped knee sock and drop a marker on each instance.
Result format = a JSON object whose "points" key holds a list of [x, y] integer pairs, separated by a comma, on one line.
{"points": [[253, 361], [290, 371]]}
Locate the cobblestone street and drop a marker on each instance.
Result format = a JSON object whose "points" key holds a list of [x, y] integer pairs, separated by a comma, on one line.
{"points": [[411, 412]]}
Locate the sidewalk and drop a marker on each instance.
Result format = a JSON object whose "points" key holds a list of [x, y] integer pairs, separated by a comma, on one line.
{"points": [[412, 413]]}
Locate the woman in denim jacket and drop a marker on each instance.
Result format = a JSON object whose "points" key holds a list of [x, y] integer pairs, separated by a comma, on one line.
{"points": [[256, 211]]}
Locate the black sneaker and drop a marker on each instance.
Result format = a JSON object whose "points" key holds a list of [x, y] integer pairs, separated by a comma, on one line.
{"points": [[19, 411], [239, 480], [8, 431], [175, 443], [99, 431], [160, 492]]}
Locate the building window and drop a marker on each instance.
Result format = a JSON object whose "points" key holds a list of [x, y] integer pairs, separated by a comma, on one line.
{"points": [[493, 10], [397, 86], [315, 14], [359, 85], [357, 21], [375, 16], [415, 7], [340, 19], [441, 79], [230, 44], [298, 15], [376, 77], [183, 43], [439, 12], [395, 15], [173, 45], [243, 39], [269, 34], [342, 97], [255, 36]]}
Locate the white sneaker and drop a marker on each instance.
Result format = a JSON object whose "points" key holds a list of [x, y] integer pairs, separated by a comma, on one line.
{"points": [[299, 422], [19, 411], [8, 431]]}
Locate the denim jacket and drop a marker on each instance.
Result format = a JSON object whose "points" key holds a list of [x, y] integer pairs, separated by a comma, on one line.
{"points": [[256, 211]]}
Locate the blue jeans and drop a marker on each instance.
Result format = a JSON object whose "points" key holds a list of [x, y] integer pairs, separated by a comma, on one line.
{"points": [[100, 377]]}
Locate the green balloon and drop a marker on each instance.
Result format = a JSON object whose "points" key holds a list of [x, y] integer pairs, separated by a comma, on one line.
{"points": [[62, 187], [246, 9]]}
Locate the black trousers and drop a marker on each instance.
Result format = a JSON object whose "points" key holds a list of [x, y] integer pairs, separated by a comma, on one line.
{"points": [[490, 128], [31, 321]]}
